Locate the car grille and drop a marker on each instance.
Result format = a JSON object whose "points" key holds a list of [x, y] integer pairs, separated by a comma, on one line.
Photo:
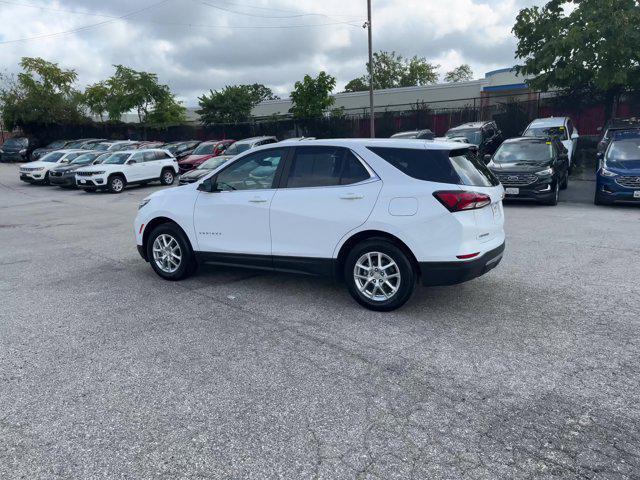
{"points": [[629, 182], [517, 180], [84, 174]]}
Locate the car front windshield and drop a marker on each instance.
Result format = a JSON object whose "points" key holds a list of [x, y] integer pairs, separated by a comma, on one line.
{"points": [[16, 142], [546, 132], [205, 149], [84, 159], [102, 157], [57, 144], [622, 151], [515, 152], [237, 148], [52, 157], [211, 164], [473, 135], [117, 159], [119, 147], [102, 147]]}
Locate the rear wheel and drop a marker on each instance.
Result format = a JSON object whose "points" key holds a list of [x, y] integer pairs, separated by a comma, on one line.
{"points": [[379, 275], [167, 177], [116, 184], [169, 253]]}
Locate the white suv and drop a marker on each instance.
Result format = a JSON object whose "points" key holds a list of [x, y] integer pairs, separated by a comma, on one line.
{"points": [[123, 168], [38, 170], [377, 214]]}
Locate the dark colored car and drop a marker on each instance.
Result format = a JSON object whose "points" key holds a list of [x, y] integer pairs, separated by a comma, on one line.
{"points": [[202, 170], [149, 144], [52, 147], [204, 152], [65, 175], [618, 176], [531, 168], [425, 134], [614, 127], [17, 149], [83, 143], [182, 150], [485, 135]]}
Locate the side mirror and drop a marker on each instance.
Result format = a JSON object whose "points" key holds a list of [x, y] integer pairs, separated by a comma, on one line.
{"points": [[66, 160], [574, 136], [131, 162], [209, 186], [599, 129], [487, 158]]}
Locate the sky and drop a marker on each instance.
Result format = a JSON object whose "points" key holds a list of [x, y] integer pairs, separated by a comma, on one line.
{"points": [[197, 45]]}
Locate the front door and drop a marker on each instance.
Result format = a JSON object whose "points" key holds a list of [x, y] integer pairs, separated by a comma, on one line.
{"points": [[325, 193], [234, 219]]}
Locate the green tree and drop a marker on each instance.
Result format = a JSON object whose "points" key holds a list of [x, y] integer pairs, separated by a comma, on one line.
{"points": [[41, 93], [140, 91], [392, 70], [232, 104], [463, 73], [96, 99], [589, 46], [311, 97]]}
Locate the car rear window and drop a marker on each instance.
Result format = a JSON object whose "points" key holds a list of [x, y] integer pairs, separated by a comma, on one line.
{"points": [[460, 167]]}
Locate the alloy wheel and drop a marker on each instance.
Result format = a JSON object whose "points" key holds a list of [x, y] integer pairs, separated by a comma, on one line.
{"points": [[168, 178], [117, 184], [167, 253], [377, 276]]}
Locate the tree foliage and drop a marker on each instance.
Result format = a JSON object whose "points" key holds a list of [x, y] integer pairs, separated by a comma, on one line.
{"points": [[581, 46], [392, 70], [311, 97], [96, 99], [463, 73], [232, 104], [41, 93], [140, 91]]}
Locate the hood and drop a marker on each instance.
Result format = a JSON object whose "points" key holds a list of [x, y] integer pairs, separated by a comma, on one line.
{"points": [[96, 168], [628, 167], [520, 166], [191, 159], [194, 174], [38, 164], [69, 168]]}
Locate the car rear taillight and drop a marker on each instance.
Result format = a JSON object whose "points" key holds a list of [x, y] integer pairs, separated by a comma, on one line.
{"points": [[457, 201]]}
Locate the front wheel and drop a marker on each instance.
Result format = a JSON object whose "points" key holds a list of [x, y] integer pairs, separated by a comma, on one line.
{"points": [[167, 177], [169, 253], [553, 200], [116, 184], [379, 275]]}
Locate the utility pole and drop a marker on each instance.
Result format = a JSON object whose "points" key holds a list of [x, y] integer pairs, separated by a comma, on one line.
{"points": [[371, 106]]}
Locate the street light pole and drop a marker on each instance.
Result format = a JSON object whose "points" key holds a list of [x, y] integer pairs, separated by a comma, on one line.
{"points": [[371, 106]]}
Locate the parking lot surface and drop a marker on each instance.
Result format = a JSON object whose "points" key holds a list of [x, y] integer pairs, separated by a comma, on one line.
{"points": [[107, 371]]}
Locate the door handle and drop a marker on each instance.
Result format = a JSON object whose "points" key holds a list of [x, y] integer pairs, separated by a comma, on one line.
{"points": [[351, 196], [258, 200]]}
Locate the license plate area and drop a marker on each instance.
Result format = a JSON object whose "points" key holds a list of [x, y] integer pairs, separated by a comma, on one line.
{"points": [[636, 194], [512, 191]]}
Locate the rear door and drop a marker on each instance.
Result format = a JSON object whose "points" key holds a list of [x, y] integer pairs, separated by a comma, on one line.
{"points": [[135, 170], [325, 192], [152, 165]]}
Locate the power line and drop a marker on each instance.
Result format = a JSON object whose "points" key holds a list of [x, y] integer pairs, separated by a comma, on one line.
{"points": [[273, 9], [51, 9], [296, 15], [85, 27]]}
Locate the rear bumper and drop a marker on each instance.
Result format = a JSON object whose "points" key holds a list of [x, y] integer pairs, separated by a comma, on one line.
{"points": [[450, 273]]}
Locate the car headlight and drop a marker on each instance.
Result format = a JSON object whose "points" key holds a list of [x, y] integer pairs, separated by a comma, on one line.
{"points": [[608, 173], [143, 203], [546, 172], [101, 172]]}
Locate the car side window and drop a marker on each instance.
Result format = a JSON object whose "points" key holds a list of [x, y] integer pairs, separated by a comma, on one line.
{"points": [[256, 171], [325, 167], [161, 155], [138, 157], [149, 156]]}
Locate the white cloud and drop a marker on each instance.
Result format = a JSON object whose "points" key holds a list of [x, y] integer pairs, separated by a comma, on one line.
{"points": [[180, 41]]}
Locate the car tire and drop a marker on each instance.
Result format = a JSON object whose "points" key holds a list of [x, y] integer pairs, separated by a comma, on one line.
{"points": [[389, 285], [565, 182], [116, 184], [598, 199], [553, 200], [173, 243], [167, 177], [45, 180]]}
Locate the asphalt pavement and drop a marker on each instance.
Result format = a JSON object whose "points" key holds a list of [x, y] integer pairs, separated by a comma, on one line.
{"points": [[107, 371]]}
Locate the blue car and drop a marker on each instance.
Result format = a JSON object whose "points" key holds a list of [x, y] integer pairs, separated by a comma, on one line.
{"points": [[618, 176]]}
